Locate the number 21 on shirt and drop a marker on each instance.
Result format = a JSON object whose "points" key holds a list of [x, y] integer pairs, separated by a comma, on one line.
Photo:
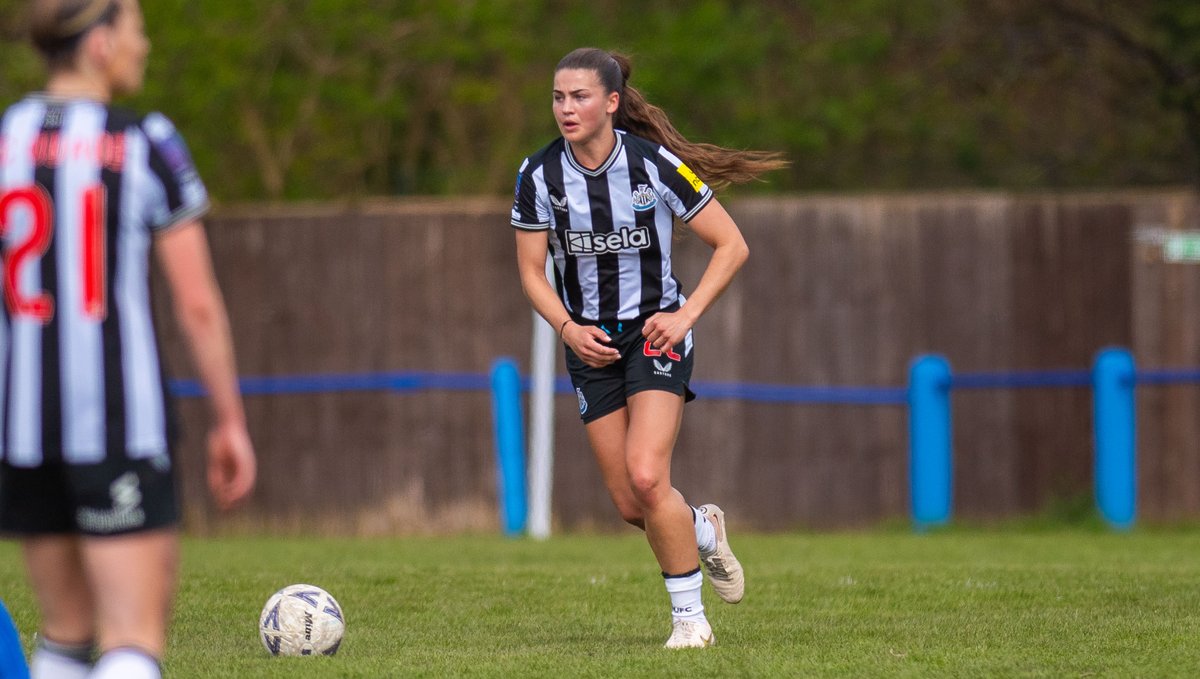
{"points": [[37, 204]]}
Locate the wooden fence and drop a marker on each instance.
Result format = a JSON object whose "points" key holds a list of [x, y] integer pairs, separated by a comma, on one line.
{"points": [[839, 291]]}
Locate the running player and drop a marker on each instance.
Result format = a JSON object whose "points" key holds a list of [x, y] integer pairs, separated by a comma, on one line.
{"points": [[602, 199], [86, 469]]}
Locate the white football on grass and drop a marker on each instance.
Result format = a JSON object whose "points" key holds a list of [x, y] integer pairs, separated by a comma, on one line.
{"points": [[301, 620]]}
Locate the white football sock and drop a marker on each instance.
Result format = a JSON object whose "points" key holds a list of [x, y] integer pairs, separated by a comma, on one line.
{"points": [[706, 535], [126, 663], [685, 595], [52, 660]]}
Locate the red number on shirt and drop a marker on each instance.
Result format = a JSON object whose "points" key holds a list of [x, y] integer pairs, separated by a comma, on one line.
{"points": [[35, 200], [94, 305]]}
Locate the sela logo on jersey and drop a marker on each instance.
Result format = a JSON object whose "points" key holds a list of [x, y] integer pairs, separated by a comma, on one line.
{"points": [[644, 198], [592, 243]]}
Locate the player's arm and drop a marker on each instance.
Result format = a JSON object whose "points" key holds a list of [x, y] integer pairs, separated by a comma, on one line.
{"points": [[183, 253], [716, 228], [587, 341]]}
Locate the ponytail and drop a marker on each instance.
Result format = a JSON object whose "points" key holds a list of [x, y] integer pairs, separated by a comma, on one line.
{"points": [[717, 166]]}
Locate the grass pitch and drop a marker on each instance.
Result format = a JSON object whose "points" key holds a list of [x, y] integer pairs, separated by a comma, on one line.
{"points": [[1001, 602]]}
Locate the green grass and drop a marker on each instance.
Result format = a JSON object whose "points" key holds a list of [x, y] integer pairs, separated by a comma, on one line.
{"points": [[1026, 602]]}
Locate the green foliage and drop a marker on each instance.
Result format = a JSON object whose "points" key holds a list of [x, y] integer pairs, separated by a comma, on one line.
{"points": [[321, 99]]}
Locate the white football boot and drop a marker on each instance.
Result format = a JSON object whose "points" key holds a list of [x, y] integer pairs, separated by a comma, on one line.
{"points": [[724, 570], [688, 634]]}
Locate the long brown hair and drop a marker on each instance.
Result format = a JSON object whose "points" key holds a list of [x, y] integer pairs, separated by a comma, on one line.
{"points": [[716, 165], [56, 26]]}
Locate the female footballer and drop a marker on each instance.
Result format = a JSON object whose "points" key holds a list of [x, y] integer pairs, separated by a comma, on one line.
{"points": [[602, 200], [86, 469]]}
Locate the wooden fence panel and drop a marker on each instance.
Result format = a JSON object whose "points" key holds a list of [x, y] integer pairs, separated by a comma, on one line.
{"points": [[839, 291]]}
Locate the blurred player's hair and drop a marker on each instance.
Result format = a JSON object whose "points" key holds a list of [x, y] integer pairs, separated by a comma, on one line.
{"points": [[56, 26]]}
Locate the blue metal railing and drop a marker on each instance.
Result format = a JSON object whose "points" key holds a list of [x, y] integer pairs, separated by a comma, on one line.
{"points": [[416, 381], [1112, 379]]}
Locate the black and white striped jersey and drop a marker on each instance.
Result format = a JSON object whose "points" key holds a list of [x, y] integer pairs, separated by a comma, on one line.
{"points": [[611, 227], [83, 186]]}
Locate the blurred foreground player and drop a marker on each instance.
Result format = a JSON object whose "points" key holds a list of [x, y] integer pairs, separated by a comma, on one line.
{"points": [[86, 472]]}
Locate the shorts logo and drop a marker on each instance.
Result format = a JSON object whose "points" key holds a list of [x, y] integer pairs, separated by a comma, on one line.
{"points": [[644, 198], [126, 513], [663, 369], [686, 172], [126, 495], [560, 204], [582, 401], [592, 243]]}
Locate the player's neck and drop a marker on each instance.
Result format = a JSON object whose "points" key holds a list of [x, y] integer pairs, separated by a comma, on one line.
{"points": [[77, 85], [593, 152]]}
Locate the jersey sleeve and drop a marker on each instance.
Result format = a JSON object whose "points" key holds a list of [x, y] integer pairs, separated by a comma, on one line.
{"points": [[528, 212], [686, 193], [183, 195]]}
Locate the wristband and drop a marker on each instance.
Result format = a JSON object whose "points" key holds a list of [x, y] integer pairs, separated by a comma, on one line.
{"points": [[563, 327]]}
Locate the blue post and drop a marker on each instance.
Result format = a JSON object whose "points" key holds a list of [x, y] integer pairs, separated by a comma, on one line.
{"points": [[12, 655], [510, 444], [1113, 381], [929, 440]]}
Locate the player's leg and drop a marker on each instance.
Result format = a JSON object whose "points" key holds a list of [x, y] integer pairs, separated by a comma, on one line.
{"points": [[602, 408], [35, 504], [133, 577], [654, 420], [607, 438], [56, 576]]}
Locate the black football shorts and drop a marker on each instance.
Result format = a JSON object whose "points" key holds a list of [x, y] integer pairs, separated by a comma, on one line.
{"points": [[641, 367], [114, 497]]}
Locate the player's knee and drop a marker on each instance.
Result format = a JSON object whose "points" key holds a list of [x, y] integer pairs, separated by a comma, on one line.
{"points": [[649, 489]]}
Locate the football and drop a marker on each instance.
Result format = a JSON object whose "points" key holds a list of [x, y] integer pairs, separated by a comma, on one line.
{"points": [[301, 620]]}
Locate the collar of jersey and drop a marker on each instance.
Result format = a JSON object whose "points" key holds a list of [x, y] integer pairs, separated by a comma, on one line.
{"points": [[612, 158], [49, 98]]}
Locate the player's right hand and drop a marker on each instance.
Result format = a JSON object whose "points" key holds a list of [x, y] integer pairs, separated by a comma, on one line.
{"points": [[232, 467], [590, 344]]}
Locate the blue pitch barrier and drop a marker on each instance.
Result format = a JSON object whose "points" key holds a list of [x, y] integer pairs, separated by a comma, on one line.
{"points": [[1112, 378], [12, 655]]}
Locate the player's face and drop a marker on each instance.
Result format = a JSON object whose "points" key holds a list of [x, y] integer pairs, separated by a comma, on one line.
{"points": [[129, 48], [582, 109]]}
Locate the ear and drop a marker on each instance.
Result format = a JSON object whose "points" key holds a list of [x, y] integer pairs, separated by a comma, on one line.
{"points": [[97, 45], [614, 100]]}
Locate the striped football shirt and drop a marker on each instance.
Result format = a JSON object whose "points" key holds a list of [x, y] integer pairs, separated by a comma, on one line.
{"points": [[610, 228], [83, 187]]}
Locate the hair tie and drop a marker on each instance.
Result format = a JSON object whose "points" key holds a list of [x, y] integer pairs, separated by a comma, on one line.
{"points": [[620, 72]]}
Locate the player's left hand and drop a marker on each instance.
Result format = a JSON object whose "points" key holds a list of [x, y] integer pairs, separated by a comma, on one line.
{"points": [[667, 329]]}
